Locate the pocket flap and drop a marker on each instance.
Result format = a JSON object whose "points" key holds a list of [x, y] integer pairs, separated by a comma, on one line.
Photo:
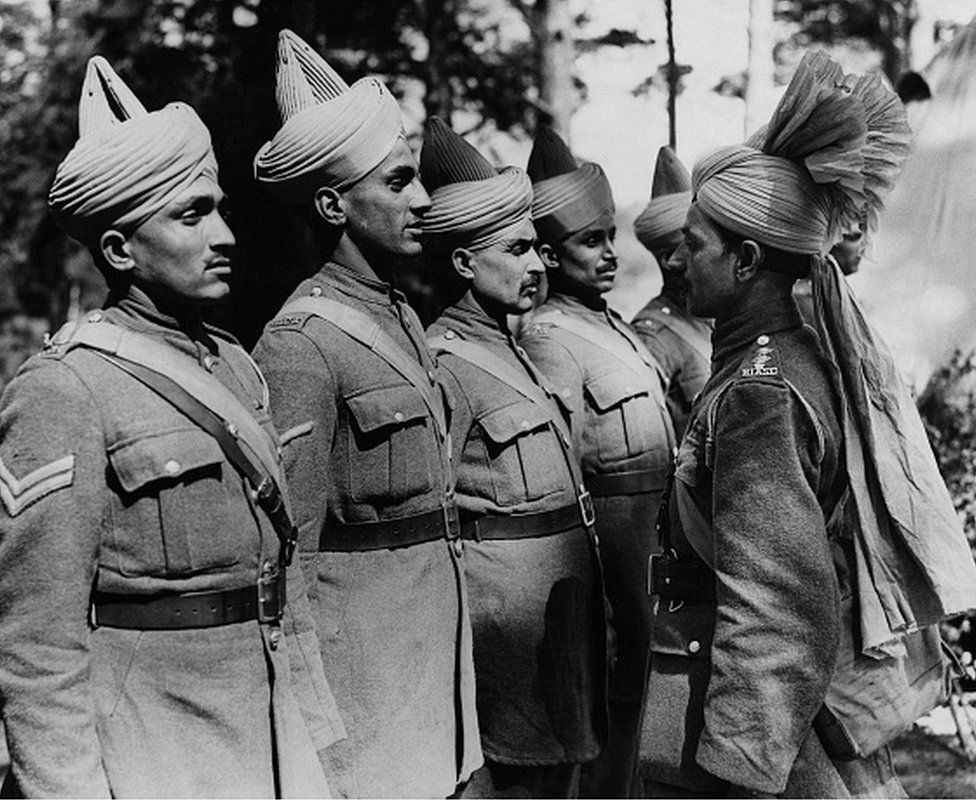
{"points": [[612, 388], [390, 405], [162, 455], [516, 419], [687, 631]]}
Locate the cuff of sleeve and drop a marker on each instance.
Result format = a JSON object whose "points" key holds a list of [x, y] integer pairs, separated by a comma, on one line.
{"points": [[725, 759]]}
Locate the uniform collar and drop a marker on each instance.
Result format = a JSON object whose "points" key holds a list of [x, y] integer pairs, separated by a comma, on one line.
{"points": [[353, 281], [591, 309], [733, 334], [470, 320]]}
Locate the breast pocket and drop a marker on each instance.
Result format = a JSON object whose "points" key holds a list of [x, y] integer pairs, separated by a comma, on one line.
{"points": [[175, 513], [626, 416], [525, 458], [391, 446]]}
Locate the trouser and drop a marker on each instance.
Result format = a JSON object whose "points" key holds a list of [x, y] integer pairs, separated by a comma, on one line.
{"points": [[523, 780]]}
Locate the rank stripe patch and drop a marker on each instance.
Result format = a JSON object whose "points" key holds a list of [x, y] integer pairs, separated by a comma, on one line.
{"points": [[18, 494]]}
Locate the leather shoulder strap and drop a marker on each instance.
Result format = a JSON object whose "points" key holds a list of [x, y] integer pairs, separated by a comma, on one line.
{"points": [[358, 325], [635, 358], [113, 340], [488, 362]]}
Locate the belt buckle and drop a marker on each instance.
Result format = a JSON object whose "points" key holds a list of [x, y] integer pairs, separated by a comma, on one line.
{"points": [[452, 523], [272, 594], [586, 508]]}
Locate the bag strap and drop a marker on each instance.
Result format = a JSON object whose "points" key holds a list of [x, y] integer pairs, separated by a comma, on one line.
{"points": [[358, 325], [201, 398], [637, 358]]}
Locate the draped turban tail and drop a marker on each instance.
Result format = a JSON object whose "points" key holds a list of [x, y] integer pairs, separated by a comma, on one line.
{"points": [[332, 143], [121, 174], [572, 202], [656, 225], [763, 197], [478, 214]]}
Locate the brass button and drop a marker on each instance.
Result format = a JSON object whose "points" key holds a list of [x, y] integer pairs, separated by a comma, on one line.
{"points": [[458, 546], [694, 646], [232, 429], [274, 638], [95, 316], [762, 340], [665, 310], [208, 362], [524, 424], [398, 416], [316, 291], [449, 334], [172, 467]]}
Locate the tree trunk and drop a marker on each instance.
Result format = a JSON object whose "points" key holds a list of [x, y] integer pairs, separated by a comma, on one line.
{"points": [[555, 53], [759, 74], [438, 100]]}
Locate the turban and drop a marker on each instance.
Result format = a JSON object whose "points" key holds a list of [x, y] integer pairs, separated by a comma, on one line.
{"points": [[332, 134], [472, 204], [657, 224], [127, 163], [567, 198]]}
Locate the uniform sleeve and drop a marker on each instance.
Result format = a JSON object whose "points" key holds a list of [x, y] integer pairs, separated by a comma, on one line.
{"points": [[52, 485], [304, 409], [563, 375], [301, 389], [777, 625]]}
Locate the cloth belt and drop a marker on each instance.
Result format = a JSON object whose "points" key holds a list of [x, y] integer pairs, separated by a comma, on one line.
{"points": [[263, 603], [639, 481], [387, 534], [522, 526], [680, 580]]}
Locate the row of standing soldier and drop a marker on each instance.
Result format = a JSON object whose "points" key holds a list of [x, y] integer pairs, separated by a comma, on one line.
{"points": [[468, 609]]}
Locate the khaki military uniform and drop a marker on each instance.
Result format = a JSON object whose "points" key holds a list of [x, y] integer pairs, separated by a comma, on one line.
{"points": [[617, 411], [758, 565], [530, 558], [115, 507], [367, 455], [681, 344]]}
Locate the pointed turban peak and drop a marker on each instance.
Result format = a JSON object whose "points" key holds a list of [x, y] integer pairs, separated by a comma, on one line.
{"points": [[128, 163], [568, 198], [473, 205], [332, 134], [659, 223]]}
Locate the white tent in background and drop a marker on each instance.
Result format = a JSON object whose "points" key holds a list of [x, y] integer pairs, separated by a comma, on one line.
{"points": [[921, 289]]}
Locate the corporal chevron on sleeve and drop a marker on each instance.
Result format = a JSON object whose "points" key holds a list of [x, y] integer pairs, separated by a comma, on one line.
{"points": [[16, 494]]}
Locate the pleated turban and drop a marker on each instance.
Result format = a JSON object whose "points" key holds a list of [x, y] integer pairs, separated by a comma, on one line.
{"points": [[657, 225], [128, 163], [332, 134], [567, 198], [472, 204], [763, 197]]}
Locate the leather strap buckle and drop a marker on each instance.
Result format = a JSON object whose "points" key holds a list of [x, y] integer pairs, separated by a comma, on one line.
{"points": [[452, 521], [587, 512], [272, 594]]}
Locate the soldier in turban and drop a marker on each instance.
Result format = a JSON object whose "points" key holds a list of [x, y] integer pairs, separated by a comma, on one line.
{"points": [[615, 391], [530, 552], [679, 341], [809, 545], [367, 446], [143, 578]]}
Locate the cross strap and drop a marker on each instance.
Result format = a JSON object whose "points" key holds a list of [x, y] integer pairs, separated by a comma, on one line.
{"points": [[359, 326]]}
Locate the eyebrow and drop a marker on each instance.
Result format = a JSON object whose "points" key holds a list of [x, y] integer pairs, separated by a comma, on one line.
{"points": [[200, 199], [402, 171]]}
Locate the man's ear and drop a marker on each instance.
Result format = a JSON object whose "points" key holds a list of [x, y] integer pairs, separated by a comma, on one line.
{"points": [[462, 259], [548, 257], [115, 249], [328, 205], [751, 256]]}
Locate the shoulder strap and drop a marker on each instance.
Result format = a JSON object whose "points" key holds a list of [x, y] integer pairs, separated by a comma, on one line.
{"points": [[680, 326], [637, 358], [367, 332], [204, 400], [488, 362]]}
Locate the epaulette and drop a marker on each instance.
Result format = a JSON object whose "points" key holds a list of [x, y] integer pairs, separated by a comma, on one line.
{"points": [[63, 342], [762, 360], [539, 329]]}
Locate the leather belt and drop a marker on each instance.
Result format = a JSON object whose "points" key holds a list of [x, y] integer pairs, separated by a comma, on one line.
{"points": [[263, 603], [680, 580], [522, 526], [638, 481], [387, 534]]}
